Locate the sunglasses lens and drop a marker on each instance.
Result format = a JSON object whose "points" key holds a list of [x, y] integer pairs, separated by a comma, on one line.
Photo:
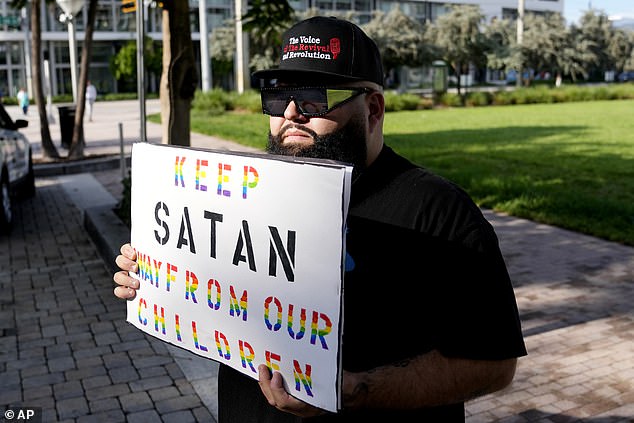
{"points": [[336, 97], [310, 101]]}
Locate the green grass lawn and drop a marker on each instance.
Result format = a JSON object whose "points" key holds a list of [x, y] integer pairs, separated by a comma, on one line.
{"points": [[569, 165]]}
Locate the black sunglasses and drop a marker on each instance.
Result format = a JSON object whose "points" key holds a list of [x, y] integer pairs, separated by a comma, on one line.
{"points": [[310, 101]]}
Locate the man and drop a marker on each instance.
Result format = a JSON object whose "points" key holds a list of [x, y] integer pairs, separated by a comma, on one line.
{"points": [[91, 96], [430, 319]]}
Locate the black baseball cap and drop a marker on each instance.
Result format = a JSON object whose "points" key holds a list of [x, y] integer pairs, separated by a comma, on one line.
{"points": [[326, 49]]}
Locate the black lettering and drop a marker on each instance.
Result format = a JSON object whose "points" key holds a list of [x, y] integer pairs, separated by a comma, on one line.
{"points": [[213, 217], [244, 239], [161, 239], [181, 239]]}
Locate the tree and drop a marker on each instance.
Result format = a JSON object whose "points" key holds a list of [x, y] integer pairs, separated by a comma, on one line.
{"points": [[180, 76], [223, 50], [78, 143], [400, 39], [620, 49], [541, 48], [123, 64], [595, 31], [265, 22], [48, 148], [458, 37]]}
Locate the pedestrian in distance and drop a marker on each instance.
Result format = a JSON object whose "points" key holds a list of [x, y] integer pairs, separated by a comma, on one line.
{"points": [[23, 101], [91, 97], [448, 330]]}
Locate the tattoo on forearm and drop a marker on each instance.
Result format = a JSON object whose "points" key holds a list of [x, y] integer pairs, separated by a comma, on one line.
{"points": [[358, 395]]}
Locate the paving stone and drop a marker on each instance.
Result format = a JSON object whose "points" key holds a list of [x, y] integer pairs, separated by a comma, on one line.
{"points": [[72, 407], [69, 389], [147, 416], [136, 401]]}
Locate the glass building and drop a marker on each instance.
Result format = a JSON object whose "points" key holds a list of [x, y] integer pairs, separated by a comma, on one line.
{"points": [[113, 29]]}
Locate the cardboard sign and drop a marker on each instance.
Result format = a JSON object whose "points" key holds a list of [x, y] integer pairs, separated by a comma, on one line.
{"points": [[241, 261]]}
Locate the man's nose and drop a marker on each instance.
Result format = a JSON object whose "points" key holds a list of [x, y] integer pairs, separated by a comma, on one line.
{"points": [[292, 112]]}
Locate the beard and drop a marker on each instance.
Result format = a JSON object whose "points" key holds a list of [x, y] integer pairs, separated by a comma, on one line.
{"points": [[347, 144]]}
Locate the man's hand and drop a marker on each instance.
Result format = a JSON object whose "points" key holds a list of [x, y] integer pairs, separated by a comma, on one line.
{"points": [[272, 387], [127, 263]]}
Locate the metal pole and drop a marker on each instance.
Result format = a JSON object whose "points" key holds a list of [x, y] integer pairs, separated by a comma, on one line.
{"points": [[122, 160], [27, 51], [520, 36], [140, 66], [72, 46], [47, 82], [239, 72], [204, 46]]}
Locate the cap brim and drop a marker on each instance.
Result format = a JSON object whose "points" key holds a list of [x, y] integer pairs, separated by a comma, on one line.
{"points": [[306, 77]]}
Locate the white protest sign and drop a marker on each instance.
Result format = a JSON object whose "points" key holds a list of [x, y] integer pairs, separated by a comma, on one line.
{"points": [[241, 261]]}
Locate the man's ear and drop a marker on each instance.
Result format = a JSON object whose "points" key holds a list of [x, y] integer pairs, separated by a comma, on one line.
{"points": [[376, 109]]}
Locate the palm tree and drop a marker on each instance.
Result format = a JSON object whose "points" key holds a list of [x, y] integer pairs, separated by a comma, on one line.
{"points": [[78, 143], [180, 76], [48, 148]]}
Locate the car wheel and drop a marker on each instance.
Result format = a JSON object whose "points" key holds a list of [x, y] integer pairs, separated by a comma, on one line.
{"points": [[6, 211]]}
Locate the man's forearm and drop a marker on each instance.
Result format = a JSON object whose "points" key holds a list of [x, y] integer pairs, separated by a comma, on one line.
{"points": [[425, 381]]}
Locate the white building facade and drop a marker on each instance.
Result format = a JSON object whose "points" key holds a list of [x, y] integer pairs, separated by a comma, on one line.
{"points": [[113, 29]]}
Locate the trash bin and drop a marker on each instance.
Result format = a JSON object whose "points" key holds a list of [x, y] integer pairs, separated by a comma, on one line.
{"points": [[439, 77], [66, 123]]}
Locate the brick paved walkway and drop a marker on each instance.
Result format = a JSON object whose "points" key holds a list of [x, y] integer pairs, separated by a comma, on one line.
{"points": [[576, 299], [64, 343]]}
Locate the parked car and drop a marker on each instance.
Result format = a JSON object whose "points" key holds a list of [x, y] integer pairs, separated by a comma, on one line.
{"points": [[626, 76], [17, 179]]}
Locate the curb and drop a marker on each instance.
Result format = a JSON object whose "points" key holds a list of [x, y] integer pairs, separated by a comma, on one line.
{"points": [[79, 166], [107, 231]]}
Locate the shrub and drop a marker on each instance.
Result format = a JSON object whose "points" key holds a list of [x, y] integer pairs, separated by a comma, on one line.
{"points": [[395, 102], [249, 101], [478, 98], [214, 102]]}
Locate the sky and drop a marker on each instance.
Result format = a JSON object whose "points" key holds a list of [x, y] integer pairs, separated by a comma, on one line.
{"points": [[574, 9]]}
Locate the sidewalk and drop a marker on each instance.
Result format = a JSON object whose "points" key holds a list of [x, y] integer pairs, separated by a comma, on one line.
{"points": [[65, 345]]}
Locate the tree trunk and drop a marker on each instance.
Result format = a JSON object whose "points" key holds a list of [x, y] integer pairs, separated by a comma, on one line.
{"points": [[48, 148], [180, 77], [78, 143]]}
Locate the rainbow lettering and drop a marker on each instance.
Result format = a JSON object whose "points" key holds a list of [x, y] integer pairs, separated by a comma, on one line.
{"points": [[304, 377], [191, 285], [269, 360], [201, 174], [245, 180], [223, 179], [248, 357], [171, 270], [234, 308], [315, 331], [212, 305], [196, 344], [178, 172], [142, 320], [278, 323], [302, 323], [158, 319], [219, 336], [177, 318]]}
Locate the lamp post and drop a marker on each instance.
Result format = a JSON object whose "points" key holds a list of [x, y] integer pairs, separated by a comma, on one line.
{"points": [[520, 36], [71, 8]]}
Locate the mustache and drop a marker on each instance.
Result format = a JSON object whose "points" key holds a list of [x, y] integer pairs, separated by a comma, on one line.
{"points": [[298, 127]]}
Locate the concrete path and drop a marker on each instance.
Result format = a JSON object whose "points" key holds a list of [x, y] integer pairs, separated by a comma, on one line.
{"points": [[65, 346]]}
